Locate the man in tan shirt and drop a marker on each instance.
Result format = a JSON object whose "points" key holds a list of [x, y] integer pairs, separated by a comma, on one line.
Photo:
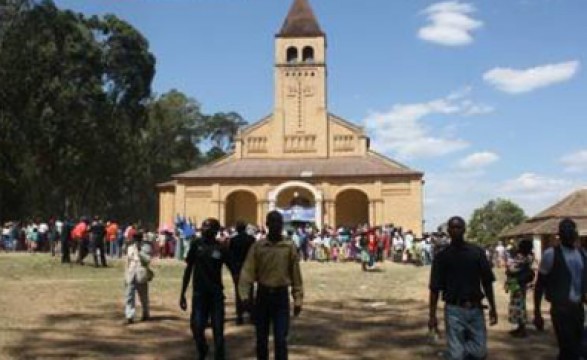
{"points": [[274, 264]]}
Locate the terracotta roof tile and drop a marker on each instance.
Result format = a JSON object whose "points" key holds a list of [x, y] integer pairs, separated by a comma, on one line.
{"points": [[299, 168], [300, 21]]}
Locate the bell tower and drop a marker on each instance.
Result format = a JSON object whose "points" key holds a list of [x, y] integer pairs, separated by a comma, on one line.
{"points": [[300, 114]]}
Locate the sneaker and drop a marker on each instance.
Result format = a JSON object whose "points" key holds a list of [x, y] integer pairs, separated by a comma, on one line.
{"points": [[129, 321]]}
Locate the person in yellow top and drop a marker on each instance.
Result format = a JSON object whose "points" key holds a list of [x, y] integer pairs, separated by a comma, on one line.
{"points": [[274, 265]]}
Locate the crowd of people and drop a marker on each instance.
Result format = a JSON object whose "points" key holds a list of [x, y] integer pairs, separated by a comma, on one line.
{"points": [[462, 272], [366, 244], [69, 239], [361, 243]]}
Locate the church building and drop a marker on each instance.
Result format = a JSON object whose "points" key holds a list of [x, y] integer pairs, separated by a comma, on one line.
{"points": [[301, 159]]}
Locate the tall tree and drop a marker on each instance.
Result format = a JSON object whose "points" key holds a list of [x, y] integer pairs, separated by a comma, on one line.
{"points": [[10, 12], [80, 132], [49, 88], [492, 218], [56, 118]]}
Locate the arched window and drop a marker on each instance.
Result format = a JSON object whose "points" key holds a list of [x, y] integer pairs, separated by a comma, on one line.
{"points": [[308, 54], [292, 54]]}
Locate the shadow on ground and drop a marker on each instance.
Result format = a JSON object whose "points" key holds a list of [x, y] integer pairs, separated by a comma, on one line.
{"points": [[352, 329]]}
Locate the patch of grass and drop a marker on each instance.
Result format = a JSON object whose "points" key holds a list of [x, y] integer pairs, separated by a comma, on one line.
{"points": [[60, 311]]}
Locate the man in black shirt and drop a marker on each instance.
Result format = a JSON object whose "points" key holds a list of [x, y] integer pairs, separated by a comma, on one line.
{"points": [[205, 259], [459, 272], [239, 248], [98, 232], [66, 240]]}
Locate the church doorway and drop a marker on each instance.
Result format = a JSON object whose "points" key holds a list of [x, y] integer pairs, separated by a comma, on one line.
{"points": [[299, 203], [352, 208], [241, 205]]}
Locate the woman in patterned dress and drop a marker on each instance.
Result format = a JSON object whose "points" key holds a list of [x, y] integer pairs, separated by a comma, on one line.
{"points": [[519, 275]]}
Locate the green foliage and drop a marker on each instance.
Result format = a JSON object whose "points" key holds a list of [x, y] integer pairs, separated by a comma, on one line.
{"points": [[80, 131], [494, 217]]}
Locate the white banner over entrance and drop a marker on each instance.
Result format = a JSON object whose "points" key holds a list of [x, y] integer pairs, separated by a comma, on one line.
{"points": [[298, 213]]}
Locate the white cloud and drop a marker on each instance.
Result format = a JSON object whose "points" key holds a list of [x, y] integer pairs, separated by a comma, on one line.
{"points": [[520, 81], [450, 24], [575, 162], [534, 185], [478, 109], [534, 193], [401, 130], [452, 193], [477, 161]]}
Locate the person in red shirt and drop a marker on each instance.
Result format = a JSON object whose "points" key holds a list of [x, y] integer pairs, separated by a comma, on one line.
{"points": [[111, 235], [80, 234], [372, 246], [386, 244]]}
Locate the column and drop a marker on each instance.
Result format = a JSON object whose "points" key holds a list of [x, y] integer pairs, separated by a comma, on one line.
{"points": [[330, 218], [319, 218], [261, 212], [372, 213], [379, 212], [221, 211], [179, 200], [537, 242]]}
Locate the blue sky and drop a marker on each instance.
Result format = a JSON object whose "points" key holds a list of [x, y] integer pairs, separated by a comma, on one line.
{"points": [[487, 97]]}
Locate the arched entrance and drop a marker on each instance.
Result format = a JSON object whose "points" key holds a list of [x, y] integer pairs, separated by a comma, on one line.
{"points": [[241, 205], [303, 198], [352, 208], [295, 196]]}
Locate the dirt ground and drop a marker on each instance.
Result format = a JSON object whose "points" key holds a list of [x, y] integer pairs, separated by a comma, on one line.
{"points": [[48, 310]]}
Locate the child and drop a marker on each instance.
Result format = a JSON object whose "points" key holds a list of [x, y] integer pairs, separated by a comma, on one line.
{"points": [[519, 274], [334, 252]]}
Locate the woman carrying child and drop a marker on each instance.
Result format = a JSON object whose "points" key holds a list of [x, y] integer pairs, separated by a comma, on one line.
{"points": [[520, 275]]}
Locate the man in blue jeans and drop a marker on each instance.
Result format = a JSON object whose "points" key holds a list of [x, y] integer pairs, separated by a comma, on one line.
{"points": [[459, 272], [272, 263], [204, 260], [562, 279]]}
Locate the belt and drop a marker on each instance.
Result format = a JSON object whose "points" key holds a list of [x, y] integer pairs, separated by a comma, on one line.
{"points": [[272, 289], [466, 304], [567, 303]]}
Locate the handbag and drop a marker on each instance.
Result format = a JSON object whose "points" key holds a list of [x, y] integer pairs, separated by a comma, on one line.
{"points": [[150, 275], [144, 275]]}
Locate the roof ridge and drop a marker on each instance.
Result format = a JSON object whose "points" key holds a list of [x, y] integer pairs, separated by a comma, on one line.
{"points": [[254, 125], [385, 158], [300, 21], [346, 122]]}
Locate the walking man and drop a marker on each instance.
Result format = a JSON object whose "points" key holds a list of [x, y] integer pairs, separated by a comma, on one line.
{"points": [[239, 248], [204, 260], [66, 241], [98, 232], [562, 278], [137, 277], [274, 264], [81, 234], [459, 272]]}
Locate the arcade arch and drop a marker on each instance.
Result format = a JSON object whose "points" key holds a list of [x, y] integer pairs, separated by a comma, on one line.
{"points": [[352, 208], [241, 205], [285, 193]]}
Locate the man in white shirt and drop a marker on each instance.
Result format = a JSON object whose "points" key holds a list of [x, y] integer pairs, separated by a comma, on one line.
{"points": [[137, 277], [562, 278], [500, 253]]}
